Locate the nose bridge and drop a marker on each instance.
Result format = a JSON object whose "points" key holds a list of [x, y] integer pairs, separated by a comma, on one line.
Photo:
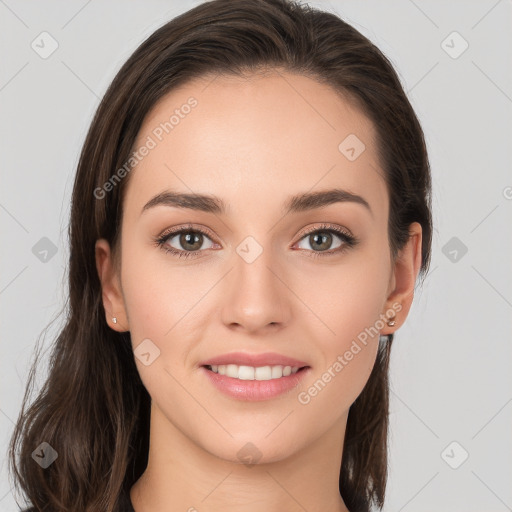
{"points": [[255, 297]]}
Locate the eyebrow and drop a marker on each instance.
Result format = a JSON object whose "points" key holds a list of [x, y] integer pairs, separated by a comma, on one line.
{"points": [[297, 203]]}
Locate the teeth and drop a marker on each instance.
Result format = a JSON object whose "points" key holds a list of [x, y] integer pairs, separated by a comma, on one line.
{"points": [[263, 373], [232, 370], [252, 373]]}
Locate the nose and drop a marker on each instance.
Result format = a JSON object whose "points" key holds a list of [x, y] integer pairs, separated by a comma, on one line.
{"points": [[256, 298]]}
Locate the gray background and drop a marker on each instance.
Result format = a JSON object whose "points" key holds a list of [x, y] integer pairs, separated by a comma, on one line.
{"points": [[451, 378]]}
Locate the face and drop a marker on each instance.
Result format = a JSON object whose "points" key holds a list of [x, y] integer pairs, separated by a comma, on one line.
{"points": [[286, 262]]}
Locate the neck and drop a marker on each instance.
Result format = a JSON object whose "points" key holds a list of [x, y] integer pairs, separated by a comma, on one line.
{"points": [[182, 476]]}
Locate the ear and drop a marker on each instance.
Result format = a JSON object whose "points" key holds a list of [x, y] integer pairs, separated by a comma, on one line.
{"points": [[112, 296], [403, 278]]}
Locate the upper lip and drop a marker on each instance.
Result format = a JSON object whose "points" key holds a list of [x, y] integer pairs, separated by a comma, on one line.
{"points": [[256, 360]]}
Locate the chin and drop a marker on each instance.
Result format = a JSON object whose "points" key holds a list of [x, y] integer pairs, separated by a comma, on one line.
{"points": [[259, 451]]}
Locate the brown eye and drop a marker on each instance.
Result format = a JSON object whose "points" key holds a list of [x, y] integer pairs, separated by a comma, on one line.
{"points": [[188, 241], [191, 241], [326, 240], [322, 240]]}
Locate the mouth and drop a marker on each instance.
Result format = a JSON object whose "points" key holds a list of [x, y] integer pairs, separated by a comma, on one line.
{"points": [[260, 373], [254, 377], [254, 383]]}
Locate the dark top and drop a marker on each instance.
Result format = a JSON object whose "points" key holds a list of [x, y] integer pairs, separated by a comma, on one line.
{"points": [[125, 505]]}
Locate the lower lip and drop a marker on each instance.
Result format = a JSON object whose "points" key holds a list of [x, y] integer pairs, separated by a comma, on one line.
{"points": [[255, 390]]}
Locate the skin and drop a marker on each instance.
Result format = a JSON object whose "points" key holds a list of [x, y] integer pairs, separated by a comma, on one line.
{"points": [[253, 141]]}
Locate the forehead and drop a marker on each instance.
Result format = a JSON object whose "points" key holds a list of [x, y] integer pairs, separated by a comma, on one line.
{"points": [[260, 136]]}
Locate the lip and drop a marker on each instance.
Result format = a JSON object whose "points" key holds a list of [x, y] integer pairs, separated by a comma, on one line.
{"points": [[244, 359], [254, 390]]}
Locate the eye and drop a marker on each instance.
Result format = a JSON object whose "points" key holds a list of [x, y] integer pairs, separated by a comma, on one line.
{"points": [[185, 242], [189, 241], [327, 239]]}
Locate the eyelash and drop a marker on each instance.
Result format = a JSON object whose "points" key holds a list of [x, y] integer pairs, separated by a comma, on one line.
{"points": [[348, 240]]}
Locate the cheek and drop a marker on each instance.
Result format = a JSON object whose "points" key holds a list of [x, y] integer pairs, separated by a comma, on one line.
{"points": [[348, 303], [171, 306], [162, 306], [158, 294], [344, 300], [346, 364]]}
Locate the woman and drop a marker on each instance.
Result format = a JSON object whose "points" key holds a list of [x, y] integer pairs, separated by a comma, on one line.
{"points": [[250, 215]]}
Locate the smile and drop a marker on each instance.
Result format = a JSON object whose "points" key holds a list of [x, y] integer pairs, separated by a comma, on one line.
{"points": [[253, 373]]}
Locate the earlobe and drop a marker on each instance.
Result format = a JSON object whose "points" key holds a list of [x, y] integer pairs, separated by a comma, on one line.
{"points": [[112, 297], [405, 273]]}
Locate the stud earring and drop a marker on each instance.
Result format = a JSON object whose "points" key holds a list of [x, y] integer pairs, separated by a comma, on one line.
{"points": [[114, 320], [391, 322]]}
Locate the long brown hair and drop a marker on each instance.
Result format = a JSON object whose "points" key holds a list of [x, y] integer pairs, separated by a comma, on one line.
{"points": [[93, 409]]}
